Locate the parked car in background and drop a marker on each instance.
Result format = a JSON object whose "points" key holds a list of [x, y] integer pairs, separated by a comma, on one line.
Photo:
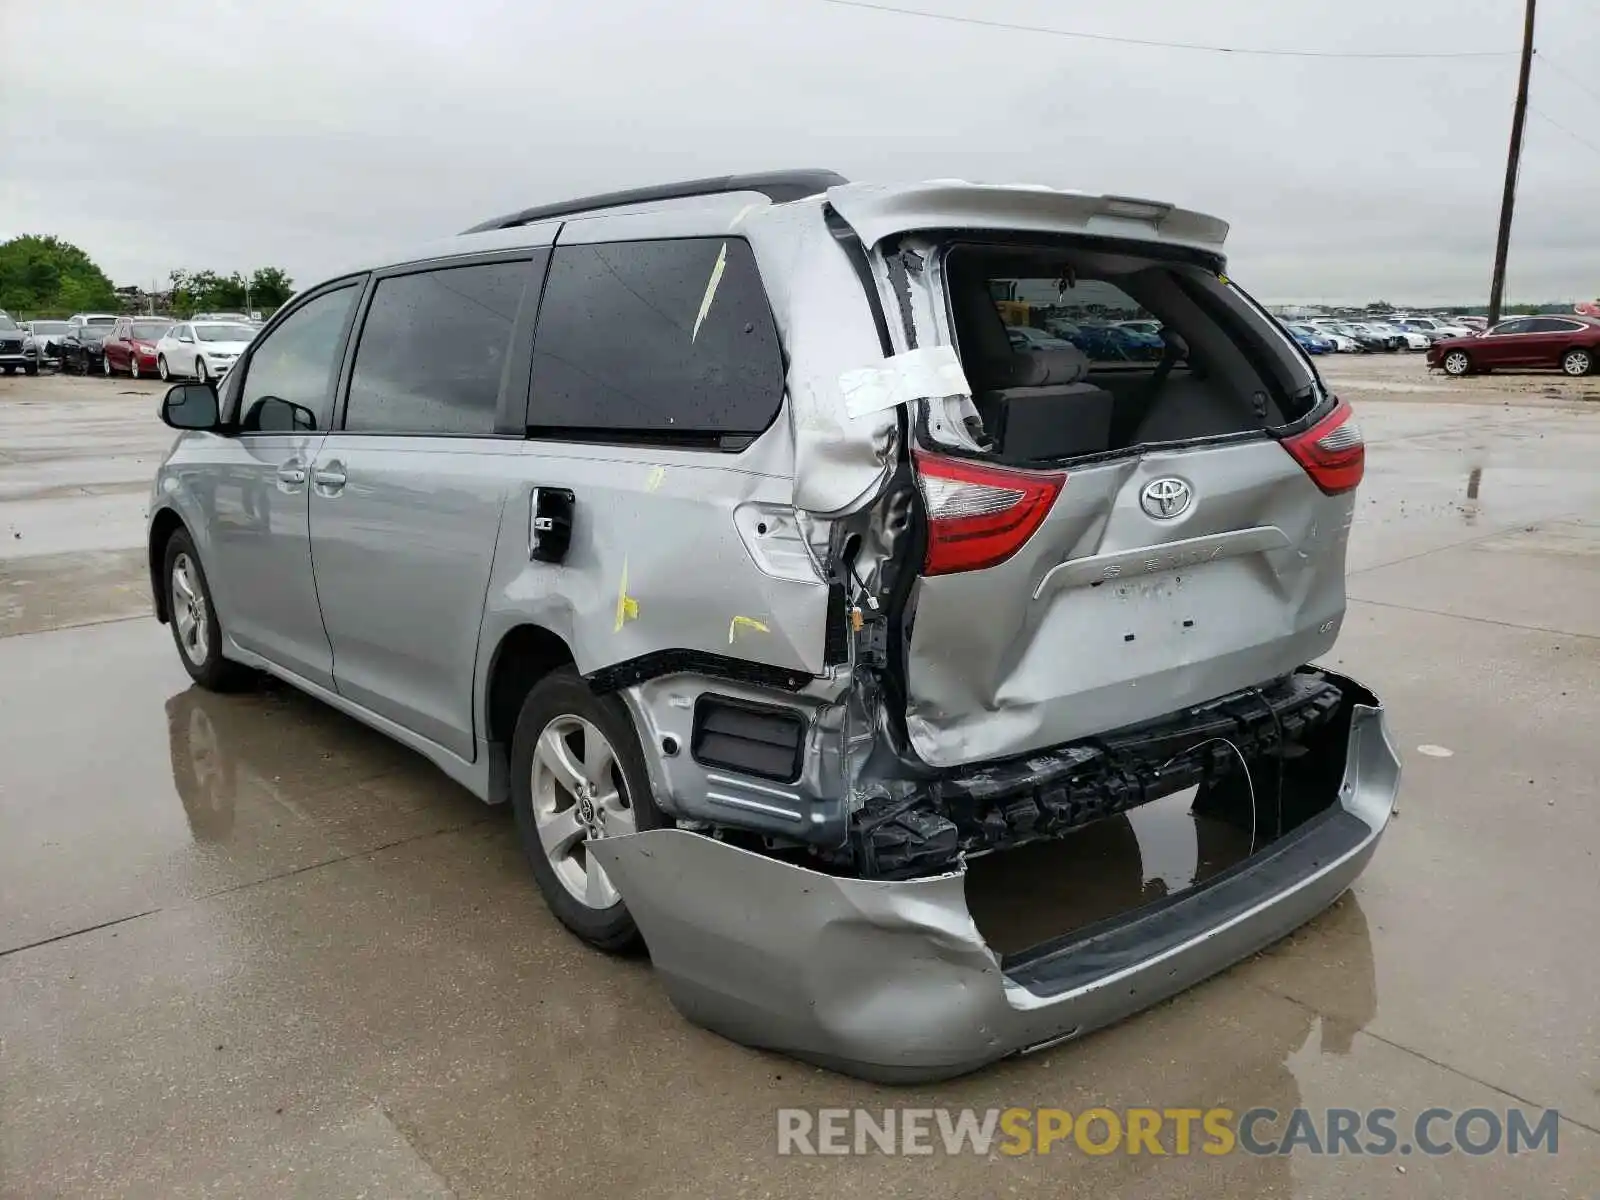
{"points": [[1406, 339], [132, 345], [1151, 327], [12, 359], [1569, 344], [1473, 324], [1343, 343], [201, 349], [42, 342], [1309, 338], [416, 493], [1378, 337], [77, 319], [81, 349], [1434, 326]]}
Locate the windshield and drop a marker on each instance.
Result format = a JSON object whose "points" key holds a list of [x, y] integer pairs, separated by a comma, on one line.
{"points": [[7, 323], [49, 326], [224, 333], [149, 331], [94, 333], [100, 321]]}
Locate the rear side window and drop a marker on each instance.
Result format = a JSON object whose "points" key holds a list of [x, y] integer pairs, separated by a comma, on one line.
{"points": [[669, 340], [433, 349]]}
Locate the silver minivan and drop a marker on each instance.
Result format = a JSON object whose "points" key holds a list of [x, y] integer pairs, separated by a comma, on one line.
{"points": [[777, 545]]}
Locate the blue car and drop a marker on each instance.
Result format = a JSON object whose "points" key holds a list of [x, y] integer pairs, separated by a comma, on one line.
{"points": [[1310, 340]]}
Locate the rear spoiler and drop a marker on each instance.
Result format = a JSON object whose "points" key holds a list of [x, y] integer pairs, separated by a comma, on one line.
{"points": [[877, 211]]}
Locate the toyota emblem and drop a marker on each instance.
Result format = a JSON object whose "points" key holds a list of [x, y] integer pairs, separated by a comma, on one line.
{"points": [[1165, 498]]}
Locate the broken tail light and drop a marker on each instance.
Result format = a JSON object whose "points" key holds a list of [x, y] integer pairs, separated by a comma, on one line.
{"points": [[980, 515], [1332, 451]]}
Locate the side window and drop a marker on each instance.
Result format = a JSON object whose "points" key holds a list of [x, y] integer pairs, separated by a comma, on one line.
{"points": [[1522, 325], [433, 348], [1554, 325], [663, 339], [295, 365]]}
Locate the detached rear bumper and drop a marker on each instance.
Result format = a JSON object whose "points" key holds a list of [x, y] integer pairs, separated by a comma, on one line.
{"points": [[891, 980]]}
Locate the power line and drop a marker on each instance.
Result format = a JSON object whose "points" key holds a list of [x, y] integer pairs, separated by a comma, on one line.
{"points": [[1565, 74], [1552, 121], [1130, 41]]}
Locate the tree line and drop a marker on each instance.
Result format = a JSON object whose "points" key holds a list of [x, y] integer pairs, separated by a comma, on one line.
{"points": [[42, 276]]}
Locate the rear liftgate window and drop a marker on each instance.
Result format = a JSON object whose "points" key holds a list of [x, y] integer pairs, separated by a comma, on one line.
{"points": [[657, 341], [1077, 351]]}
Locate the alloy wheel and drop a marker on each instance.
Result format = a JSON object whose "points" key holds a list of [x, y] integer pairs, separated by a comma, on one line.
{"points": [[133, 365], [1456, 363], [189, 611], [162, 369], [105, 365], [1577, 362], [578, 796]]}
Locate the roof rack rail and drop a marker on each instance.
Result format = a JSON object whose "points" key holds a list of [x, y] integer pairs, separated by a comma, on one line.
{"points": [[778, 186]]}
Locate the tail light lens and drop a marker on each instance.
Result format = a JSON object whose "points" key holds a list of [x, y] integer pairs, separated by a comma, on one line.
{"points": [[979, 515], [1332, 451]]}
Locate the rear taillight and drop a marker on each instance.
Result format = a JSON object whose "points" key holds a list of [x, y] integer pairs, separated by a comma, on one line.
{"points": [[980, 515], [1332, 451]]}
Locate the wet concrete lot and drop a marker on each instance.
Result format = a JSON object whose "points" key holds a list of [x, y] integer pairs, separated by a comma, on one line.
{"points": [[249, 948]]}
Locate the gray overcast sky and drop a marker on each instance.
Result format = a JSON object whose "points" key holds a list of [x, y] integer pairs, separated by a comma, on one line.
{"points": [[306, 134]]}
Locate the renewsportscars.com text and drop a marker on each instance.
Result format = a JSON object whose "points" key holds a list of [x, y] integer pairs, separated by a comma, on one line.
{"points": [[1166, 1131]]}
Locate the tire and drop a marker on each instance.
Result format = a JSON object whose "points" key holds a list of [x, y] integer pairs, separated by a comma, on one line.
{"points": [[561, 704], [10, 370], [105, 366], [31, 369], [162, 370], [1457, 363], [199, 369], [198, 639], [1576, 362], [133, 365]]}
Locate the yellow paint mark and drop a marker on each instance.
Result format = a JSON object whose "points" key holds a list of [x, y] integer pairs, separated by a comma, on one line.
{"points": [[738, 623], [655, 479], [627, 606], [1221, 278]]}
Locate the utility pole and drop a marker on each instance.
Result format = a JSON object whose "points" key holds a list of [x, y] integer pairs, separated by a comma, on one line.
{"points": [[1508, 200]]}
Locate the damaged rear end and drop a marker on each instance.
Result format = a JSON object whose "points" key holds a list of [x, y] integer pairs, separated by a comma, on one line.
{"points": [[1091, 573]]}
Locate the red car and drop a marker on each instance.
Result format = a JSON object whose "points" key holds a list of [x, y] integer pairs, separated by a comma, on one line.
{"points": [[132, 345], [1570, 343]]}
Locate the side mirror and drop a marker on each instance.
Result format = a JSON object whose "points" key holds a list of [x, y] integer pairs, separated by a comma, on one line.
{"points": [[190, 406]]}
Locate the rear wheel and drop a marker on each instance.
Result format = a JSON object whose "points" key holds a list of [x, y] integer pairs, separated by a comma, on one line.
{"points": [[1457, 363], [578, 775], [1577, 362]]}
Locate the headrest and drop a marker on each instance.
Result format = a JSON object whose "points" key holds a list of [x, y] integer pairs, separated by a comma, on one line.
{"points": [[1036, 368]]}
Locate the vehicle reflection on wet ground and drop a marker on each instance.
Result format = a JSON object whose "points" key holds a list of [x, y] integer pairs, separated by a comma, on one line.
{"points": [[248, 946]]}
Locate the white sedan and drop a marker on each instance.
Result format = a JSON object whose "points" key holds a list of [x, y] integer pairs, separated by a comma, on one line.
{"points": [[201, 349]]}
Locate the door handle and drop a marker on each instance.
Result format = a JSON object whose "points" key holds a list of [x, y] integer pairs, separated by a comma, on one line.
{"points": [[292, 473], [329, 478]]}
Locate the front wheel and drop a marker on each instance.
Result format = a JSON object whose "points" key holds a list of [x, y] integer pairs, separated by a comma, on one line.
{"points": [[133, 365], [577, 775], [31, 369], [162, 369], [1457, 363], [199, 368], [193, 618], [105, 366], [1577, 362]]}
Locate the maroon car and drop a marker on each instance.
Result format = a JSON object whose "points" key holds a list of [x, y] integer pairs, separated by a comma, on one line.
{"points": [[132, 345], [1570, 343]]}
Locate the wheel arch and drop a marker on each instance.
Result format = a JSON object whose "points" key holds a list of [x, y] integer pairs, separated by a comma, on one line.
{"points": [[163, 525], [523, 656]]}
